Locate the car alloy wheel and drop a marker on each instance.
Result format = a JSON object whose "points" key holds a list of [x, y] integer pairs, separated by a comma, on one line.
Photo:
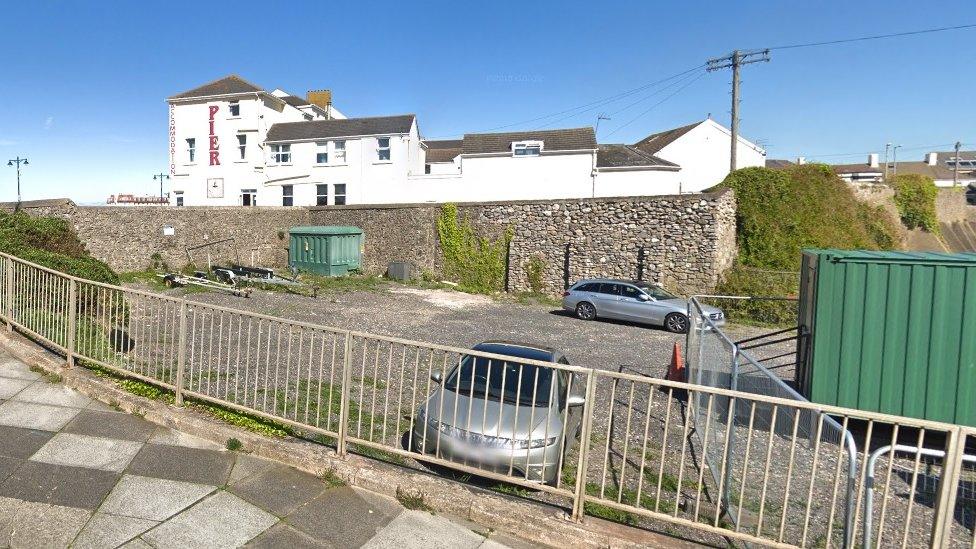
{"points": [[676, 322], [586, 311]]}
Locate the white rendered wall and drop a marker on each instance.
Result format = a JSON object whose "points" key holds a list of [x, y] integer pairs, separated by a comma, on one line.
{"points": [[703, 154]]}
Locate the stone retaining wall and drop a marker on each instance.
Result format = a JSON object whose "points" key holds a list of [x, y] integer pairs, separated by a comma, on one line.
{"points": [[684, 241]]}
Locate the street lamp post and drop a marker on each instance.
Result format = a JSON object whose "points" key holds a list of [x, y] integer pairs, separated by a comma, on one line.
{"points": [[18, 161], [894, 152], [160, 176]]}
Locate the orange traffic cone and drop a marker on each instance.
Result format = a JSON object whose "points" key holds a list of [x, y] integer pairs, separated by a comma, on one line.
{"points": [[676, 371]]}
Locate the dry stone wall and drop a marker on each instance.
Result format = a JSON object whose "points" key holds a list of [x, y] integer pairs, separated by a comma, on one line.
{"points": [[684, 241]]}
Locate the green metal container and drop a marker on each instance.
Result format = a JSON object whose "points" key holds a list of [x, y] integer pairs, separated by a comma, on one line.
{"points": [[891, 332], [329, 251]]}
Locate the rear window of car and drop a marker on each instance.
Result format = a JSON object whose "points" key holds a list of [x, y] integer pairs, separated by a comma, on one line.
{"points": [[608, 288]]}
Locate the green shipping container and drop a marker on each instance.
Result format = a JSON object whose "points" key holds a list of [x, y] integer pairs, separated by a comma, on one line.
{"points": [[891, 332], [329, 251]]}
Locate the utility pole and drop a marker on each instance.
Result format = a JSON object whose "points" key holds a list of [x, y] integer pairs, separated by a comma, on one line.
{"points": [[955, 169], [887, 146], [18, 161], [735, 60], [894, 161], [161, 176]]}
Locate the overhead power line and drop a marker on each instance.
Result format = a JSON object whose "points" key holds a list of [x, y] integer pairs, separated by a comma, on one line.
{"points": [[596, 103], [655, 105], [872, 37]]}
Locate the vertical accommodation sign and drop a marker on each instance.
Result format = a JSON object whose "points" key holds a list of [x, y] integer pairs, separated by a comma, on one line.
{"points": [[214, 145], [172, 140]]}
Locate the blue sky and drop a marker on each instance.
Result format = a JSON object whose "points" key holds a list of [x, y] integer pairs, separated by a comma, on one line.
{"points": [[83, 85]]}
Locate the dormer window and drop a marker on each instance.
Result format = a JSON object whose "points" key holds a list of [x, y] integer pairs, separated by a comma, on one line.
{"points": [[526, 148]]}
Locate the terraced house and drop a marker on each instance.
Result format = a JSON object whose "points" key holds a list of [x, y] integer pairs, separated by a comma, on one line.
{"points": [[233, 143]]}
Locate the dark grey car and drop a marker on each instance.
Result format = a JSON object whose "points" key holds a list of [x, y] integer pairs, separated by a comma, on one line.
{"points": [[634, 301]]}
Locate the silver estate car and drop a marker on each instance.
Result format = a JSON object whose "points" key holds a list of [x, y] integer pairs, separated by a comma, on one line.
{"points": [[634, 301], [502, 415]]}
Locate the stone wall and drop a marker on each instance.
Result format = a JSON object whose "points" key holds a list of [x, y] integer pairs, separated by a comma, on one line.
{"points": [[128, 238], [684, 241], [951, 206]]}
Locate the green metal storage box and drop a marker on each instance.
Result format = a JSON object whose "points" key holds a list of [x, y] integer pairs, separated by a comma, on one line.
{"points": [[891, 332], [329, 251]]}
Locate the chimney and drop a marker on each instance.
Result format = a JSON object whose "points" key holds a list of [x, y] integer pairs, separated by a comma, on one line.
{"points": [[931, 159], [320, 98], [873, 160], [801, 160]]}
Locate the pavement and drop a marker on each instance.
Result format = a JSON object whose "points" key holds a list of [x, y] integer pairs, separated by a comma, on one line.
{"points": [[76, 473]]}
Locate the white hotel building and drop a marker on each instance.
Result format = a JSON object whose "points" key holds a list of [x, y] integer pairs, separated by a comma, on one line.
{"points": [[234, 144]]}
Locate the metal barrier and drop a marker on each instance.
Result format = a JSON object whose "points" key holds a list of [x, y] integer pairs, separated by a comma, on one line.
{"points": [[611, 443]]}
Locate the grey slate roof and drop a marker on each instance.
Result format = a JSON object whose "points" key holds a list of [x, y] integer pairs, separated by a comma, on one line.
{"points": [[222, 86], [570, 139], [653, 143], [444, 150], [323, 129], [778, 163], [623, 156], [294, 101]]}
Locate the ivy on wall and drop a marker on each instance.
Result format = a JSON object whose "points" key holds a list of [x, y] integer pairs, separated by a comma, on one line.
{"points": [[915, 198], [476, 263]]}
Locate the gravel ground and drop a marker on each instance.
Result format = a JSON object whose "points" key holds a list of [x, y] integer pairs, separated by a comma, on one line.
{"points": [[638, 431]]}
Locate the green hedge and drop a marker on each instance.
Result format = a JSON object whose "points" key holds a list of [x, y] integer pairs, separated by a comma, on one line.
{"points": [[51, 242], [779, 213], [915, 198]]}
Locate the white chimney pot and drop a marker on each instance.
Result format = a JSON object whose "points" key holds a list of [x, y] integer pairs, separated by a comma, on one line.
{"points": [[932, 159]]}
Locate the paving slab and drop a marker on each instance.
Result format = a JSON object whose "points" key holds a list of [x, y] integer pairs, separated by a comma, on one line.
{"points": [[7, 467], [16, 369], [8, 512], [100, 406], [11, 386], [152, 498], [279, 490], [422, 530], [35, 416], [43, 525], [344, 517], [136, 544], [246, 465], [110, 425], [221, 520], [282, 535], [172, 437], [53, 394], [105, 531], [58, 485], [74, 450], [182, 463], [21, 443]]}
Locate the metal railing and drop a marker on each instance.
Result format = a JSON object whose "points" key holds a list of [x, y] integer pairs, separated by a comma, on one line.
{"points": [[616, 444]]}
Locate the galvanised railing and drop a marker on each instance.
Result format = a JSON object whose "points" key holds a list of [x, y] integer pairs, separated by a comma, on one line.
{"points": [[610, 443]]}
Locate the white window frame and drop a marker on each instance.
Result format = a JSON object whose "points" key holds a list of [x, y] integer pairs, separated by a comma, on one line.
{"points": [[230, 109], [388, 149], [253, 194], [191, 150], [242, 146], [527, 148], [339, 151], [290, 196], [319, 187], [178, 195], [321, 147], [336, 195], [281, 154]]}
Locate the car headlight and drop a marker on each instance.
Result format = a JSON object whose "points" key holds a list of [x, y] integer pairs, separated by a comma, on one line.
{"points": [[536, 443]]}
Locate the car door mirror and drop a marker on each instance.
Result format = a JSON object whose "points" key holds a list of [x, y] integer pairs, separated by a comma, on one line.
{"points": [[643, 297], [575, 400], [436, 376]]}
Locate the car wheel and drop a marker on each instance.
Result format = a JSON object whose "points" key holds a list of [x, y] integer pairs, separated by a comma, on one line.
{"points": [[676, 323], [585, 311]]}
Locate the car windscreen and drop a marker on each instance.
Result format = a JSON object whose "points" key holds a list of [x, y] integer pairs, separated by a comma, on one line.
{"points": [[657, 292], [511, 381]]}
